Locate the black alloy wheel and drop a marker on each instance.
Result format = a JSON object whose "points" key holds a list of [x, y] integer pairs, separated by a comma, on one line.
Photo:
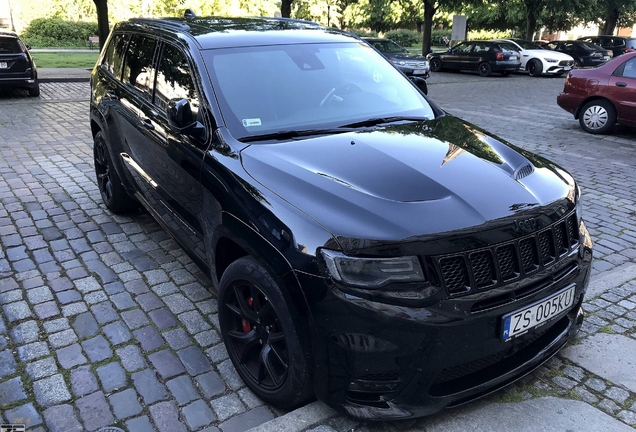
{"points": [[260, 336], [113, 193], [484, 69], [535, 68], [436, 65]]}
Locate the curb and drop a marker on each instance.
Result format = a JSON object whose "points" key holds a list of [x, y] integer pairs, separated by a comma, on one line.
{"points": [[317, 412], [64, 80], [298, 419]]}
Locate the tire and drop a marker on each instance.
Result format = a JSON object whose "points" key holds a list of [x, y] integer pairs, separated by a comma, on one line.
{"points": [[597, 117], [257, 326], [35, 90], [578, 63], [484, 69], [505, 73], [112, 190], [436, 64], [535, 68]]}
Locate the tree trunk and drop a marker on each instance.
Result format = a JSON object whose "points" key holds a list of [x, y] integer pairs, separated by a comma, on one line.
{"points": [[531, 23], [102, 21], [285, 8], [429, 11], [610, 22]]}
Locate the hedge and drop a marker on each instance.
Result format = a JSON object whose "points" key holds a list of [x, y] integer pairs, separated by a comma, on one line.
{"points": [[56, 32], [404, 37]]}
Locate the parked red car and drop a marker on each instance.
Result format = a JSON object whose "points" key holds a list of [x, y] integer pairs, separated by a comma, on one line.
{"points": [[602, 96]]}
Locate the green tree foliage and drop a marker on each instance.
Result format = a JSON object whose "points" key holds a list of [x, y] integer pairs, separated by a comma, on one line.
{"points": [[609, 14]]}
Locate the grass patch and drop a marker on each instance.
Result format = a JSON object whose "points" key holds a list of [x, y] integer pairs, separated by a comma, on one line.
{"points": [[607, 329], [65, 59]]}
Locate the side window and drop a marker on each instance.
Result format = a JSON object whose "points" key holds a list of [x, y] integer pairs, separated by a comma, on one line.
{"points": [[174, 80], [619, 42], [138, 68], [630, 69], [463, 48], [482, 47], [607, 42], [114, 57]]}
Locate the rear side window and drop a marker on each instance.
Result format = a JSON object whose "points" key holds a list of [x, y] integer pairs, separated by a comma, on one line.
{"points": [[619, 43], [138, 67], [9, 46], [114, 57], [174, 80], [630, 69]]}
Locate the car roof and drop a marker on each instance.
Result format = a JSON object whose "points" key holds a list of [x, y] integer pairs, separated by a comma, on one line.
{"points": [[8, 33], [607, 37], [223, 32]]}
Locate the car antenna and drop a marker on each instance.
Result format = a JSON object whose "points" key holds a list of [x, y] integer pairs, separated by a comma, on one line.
{"points": [[189, 14]]}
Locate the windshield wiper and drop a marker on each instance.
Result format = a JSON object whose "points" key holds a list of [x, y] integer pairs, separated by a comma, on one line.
{"points": [[382, 120], [288, 134]]}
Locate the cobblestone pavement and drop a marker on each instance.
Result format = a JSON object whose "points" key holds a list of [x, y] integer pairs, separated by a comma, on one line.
{"points": [[523, 111], [103, 319], [106, 321]]}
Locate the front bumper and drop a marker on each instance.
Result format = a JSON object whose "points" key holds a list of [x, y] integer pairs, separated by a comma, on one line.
{"points": [[380, 361]]}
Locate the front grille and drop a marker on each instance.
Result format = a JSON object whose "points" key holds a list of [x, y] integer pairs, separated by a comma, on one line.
{"points": [[454, 274], [566, 63], [486, 268]]}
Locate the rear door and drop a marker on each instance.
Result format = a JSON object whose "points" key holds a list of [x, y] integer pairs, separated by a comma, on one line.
{"points": [[622, 88], [135, 96]]}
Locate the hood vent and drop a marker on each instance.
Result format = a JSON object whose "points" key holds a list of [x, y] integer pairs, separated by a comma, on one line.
{"points": [[523, 171]]}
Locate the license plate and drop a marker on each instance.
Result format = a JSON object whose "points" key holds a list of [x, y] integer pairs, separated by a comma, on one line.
{"points": [[567, 68], [419, 71], [3, 65], [519, 322], [513, 57], [606, 58]]}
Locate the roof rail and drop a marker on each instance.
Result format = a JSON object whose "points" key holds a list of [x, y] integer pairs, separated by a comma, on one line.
{"points": [[177, 25]]}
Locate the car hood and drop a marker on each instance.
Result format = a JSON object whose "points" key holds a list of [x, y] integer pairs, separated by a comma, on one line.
{"points": [[406, 57], [548, 53], [406, 180]]}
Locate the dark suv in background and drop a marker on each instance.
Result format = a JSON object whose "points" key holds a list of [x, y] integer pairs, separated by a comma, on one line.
{"points": [[17, 68], [365, 246], [617, 44]]}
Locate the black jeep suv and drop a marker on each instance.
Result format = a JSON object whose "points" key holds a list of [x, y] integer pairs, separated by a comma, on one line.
{"points": [[365, 246]]}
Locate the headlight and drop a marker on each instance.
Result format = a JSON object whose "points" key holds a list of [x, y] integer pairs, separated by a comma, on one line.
{"points": [[551, 60], [372, 273]]}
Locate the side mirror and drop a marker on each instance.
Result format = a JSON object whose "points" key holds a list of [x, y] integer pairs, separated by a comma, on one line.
{"points": [[420, 83], [28, 47], [180, 114], [180, 118]]}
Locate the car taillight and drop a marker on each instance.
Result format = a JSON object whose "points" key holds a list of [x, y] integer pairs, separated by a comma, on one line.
{"points": [[500, 56]]}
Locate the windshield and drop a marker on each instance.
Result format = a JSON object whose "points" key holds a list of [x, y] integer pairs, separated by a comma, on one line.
{"points": [[390, 47], [269, 89], [528, 45]]}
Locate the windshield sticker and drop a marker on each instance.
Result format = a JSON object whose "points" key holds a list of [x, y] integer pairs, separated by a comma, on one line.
{"points": [[377, 76], [251, 122]]}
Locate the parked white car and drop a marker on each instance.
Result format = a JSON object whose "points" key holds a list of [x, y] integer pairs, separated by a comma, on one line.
{"points": [[538, 61]]}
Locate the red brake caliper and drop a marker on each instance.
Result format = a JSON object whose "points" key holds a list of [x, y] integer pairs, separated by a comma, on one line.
{"points": [[247, 327]]}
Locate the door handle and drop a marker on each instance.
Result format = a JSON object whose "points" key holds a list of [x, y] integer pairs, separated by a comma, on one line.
{"points": [[148, 124], [110, 95], [621, 84]]}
